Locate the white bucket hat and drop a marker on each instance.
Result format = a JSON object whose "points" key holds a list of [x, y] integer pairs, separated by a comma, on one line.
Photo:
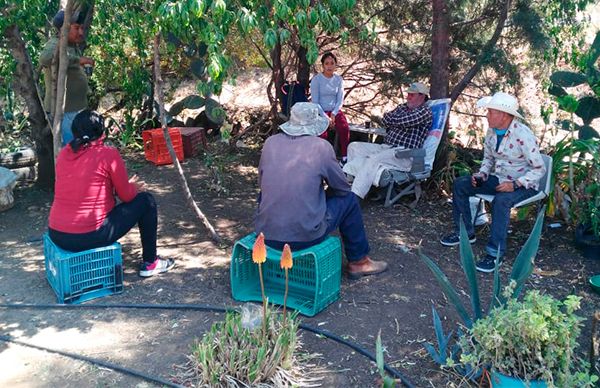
{"points": [[305, 120], [418, 87], [503, 102]]}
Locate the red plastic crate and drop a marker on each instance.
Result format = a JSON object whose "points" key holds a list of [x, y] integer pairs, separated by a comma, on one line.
{"points": [[155, 146], [193, 139]]}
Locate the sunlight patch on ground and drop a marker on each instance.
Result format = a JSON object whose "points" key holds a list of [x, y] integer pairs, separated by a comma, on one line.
{"points": [[100, 341], [247, 170], [249, 89], [26, 258]]}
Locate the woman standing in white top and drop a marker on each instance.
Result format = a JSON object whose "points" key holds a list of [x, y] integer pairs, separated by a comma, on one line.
{"points": [[327, 91]]}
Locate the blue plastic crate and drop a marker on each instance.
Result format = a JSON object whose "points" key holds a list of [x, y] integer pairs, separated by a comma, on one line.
{"points": [[314, 280], [77, 277]]}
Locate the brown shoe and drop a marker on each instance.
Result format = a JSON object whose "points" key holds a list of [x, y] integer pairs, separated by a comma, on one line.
{"points": [[365, 267]]}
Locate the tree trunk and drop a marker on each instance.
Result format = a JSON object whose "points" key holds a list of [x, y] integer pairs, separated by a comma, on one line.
{"points": [[61, 79], [278, 72], [440, 72], [278, 77], [440, 50], [89, 16], [457, 90], [303, 74], [24, 84], [158, 90]]}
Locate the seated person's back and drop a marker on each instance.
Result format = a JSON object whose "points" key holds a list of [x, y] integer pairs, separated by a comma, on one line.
{"points": [[291, 175], [293, 205], [84, 214]]}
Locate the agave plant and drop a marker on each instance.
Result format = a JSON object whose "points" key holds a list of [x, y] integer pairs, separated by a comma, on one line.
{"points": [[521, 270], [386, 380]]}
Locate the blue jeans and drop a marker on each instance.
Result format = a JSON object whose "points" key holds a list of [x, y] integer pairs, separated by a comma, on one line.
{"points": [[66, 127], [141, 211], [501, 205], [343, 212]]}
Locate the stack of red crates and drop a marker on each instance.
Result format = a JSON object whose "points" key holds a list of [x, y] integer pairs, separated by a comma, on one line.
{"points": [[193, 138], [155, 146]]}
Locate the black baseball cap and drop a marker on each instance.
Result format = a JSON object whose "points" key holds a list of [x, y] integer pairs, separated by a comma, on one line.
{"points": [[77, 18]]}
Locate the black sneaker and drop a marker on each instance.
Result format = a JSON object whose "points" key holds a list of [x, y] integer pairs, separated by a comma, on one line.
{"points": [[487, 264], [160, 265], [453, 239]]}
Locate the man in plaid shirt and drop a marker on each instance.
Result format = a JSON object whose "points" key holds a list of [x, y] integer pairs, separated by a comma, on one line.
{"points": [[406, 127]]}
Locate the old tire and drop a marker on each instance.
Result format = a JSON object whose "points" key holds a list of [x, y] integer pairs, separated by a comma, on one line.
{"points": [[23, 157], [25, 174]]}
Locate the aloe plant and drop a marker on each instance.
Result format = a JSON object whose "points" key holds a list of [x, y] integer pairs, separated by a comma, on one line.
{"points": [[231, 355]]}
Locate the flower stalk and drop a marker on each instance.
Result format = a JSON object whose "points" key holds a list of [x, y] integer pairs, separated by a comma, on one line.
{"points": [[286, 263], [259, 256]]}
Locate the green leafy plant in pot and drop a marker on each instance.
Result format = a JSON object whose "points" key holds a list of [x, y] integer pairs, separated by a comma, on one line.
{"points": [[530, 342], [586, 209]]}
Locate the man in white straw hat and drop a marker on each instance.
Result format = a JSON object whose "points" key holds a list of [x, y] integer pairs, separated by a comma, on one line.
{"points": [[511, 170], [294, 207], [406, 127]]}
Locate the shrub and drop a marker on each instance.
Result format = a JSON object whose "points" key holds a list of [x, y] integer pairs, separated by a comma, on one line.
{"points": [[532, 339]]}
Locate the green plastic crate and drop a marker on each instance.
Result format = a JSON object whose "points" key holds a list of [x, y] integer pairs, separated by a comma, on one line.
{"points": [[314, 280]]}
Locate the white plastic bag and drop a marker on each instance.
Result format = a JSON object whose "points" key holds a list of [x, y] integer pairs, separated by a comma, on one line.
{"points": [[251, 316], [483, 218], [8, 180]]}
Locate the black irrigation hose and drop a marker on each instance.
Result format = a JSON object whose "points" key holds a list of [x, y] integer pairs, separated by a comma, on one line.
{"points": [[198, 307], [360, 350], [95, 361]]}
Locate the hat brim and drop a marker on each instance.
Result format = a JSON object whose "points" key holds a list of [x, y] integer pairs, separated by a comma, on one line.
{"points": [[314, 129], [487, 103]]}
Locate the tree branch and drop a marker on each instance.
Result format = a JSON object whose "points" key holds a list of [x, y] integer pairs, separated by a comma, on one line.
{"points": [[457, 90], [158, 90]]}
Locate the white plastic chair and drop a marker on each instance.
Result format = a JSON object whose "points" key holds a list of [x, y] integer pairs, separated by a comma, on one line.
{"points": [[540, 197]]}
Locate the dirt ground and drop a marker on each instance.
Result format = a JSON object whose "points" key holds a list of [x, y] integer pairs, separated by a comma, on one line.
{"points": [[224, 185]]}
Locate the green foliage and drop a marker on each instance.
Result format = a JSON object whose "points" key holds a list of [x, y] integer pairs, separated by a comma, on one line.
{"points": [[533, 339], [233, 355], [214, 112], [575, 166], [388, 382], [120, 43], [190, 102], [467, 261], [443, 351], [567, 79], [586, 196], [522, 268], [586, 107], [33, 18], [126, 134], [455, 166]]}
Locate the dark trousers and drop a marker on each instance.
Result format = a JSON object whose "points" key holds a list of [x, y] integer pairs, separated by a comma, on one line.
{"points": [[501, 205], [141, 211], [342, 130], [343, 212]]}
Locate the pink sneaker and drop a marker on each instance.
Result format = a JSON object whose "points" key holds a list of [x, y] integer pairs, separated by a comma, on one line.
{"points": [[160, 265]]}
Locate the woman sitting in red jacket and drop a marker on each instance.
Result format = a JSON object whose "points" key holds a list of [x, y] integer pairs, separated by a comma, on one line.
{"points": [[83, 214]]}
